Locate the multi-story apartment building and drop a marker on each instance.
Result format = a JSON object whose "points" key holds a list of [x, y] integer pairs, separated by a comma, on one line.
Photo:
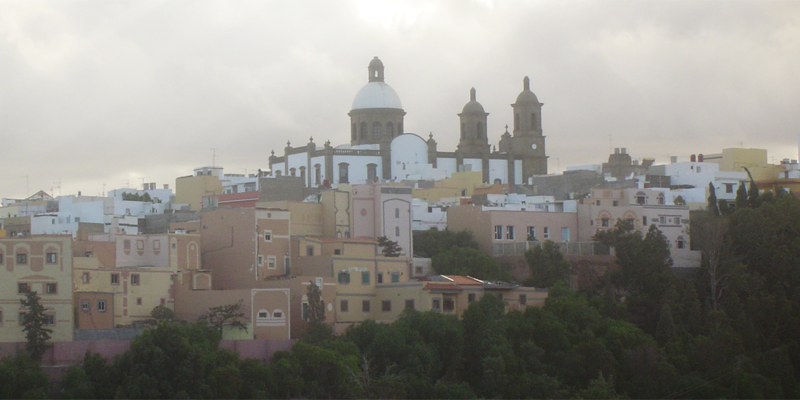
{"points": [[42, 264]]}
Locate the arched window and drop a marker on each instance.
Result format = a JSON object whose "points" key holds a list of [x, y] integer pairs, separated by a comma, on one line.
{"points": [[344, 173], [497, 181], [641, 198], [390, 129], [397, 231], [661, 199], [303, 173], [376, 130], [533, 121], [400, 128], [397, 213], [363, 130], [463, 130], [317, 174], [516, 122], [372, 172], [353, 132], [479, 133], [680, 243]]}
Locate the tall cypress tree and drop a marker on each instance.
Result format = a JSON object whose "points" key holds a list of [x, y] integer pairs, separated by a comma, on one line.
{"points": [[34, 324], [713, 208], [741, 196], [752, 197]]}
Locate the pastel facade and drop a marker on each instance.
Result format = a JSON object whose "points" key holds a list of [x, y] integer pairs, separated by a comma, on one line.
{"points": [[383, 210], [491, 227], [205, 181], [245, 245], [643, 207], [43, 264]]}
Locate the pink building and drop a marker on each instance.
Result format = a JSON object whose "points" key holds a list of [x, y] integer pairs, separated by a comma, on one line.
{"points": [[383, 210]]}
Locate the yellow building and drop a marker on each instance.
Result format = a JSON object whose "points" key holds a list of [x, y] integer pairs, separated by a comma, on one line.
{"points": [[119, 279], [206, 181], [459, 184], [735, 159], [42, 264]]}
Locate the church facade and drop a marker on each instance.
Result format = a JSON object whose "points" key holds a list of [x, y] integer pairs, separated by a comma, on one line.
{"points": [[380, 149]]}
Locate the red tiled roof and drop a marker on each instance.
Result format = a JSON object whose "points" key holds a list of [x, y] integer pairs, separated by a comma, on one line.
{"points": [[441, 286], [463, 280]]}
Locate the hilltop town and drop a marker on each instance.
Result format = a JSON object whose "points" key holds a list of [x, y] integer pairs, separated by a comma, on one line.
{"points": [[351, 219]]}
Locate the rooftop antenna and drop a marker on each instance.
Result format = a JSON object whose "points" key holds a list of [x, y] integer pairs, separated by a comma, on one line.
{"points": [[127, 183], [57, 186], [104, 190], [213, 157]]}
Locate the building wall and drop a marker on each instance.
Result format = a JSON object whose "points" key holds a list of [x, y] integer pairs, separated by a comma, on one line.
{"points": [[336, 213], [39, 272], [191, 190], [306, 218]]}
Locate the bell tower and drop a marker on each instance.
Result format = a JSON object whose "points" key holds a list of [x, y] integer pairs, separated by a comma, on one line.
{"points": [[528, 140], [473, 127]]}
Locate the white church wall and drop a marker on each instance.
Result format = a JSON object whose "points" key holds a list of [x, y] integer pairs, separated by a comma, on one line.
{"points": [[498, 169], [447, 164], [296, 161], [357, 167], [409, 154], [473, 164], [518, 172]]}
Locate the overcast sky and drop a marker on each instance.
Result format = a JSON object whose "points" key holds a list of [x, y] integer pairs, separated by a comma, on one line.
{"points": [[114, 93]]}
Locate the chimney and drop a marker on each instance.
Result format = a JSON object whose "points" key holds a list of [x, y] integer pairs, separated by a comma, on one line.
{"points": [[692, 158], [616, 150], [624, 150], [673, 159], [699, 158]]}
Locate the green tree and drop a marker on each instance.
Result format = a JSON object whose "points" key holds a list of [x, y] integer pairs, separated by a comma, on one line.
{"points": [[469, 262], [22, 378], [389, 248], [547, 265], [317, 330], [753, 194], [226, 315], [741, 196], [34, 324], [710, 236], [713, 207], [162, 313]]}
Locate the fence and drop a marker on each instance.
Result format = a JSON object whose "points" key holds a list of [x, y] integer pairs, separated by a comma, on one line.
{"points": [[566, 248]]}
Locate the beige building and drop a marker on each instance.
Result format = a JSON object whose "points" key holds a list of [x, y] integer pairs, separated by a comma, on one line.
{"points": [[119, 279], [459, 184], [244, 246], [43, 264], [205, 181], [736, 159], [643, 207]]}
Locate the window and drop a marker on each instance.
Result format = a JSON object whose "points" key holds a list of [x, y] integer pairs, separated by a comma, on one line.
{"points": [[728, 188], [379, 278], [417, 270], [397, 213], [86, 305], [115, 279], [1, 258], [364, 305], [277, 314], [263, 314], [135, 279], [49, 319], [271, 262], [531, 233], [344, 306], [343, 173], [304, 312], [386, 306], [267, 236], [337, 252], [260, 260], [605, 222], [546, 232], [23, 287], [436, 304], [127, 244], [85, 277], [344, 278], [644, 220], [470, 297], [565, 234], [448, 305], [303, 173], [397, 231], [22, 258], [22, 317], [372, 172], [377, 130], [365, 278], [309, 250], [615, 203], [51, 288], [641, 198], [498, 232], [138, 301], [681, 243], [409, 304], [395, 277], [660, 198], [101, 305], [510, 232], [523, 299]]}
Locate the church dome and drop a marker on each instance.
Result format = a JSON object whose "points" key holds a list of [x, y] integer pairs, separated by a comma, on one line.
{"points": [[473, 107], [527, 97], [376, 93]]}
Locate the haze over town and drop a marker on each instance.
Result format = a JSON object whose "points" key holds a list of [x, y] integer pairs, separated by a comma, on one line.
{"points": [[102, 95]]}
